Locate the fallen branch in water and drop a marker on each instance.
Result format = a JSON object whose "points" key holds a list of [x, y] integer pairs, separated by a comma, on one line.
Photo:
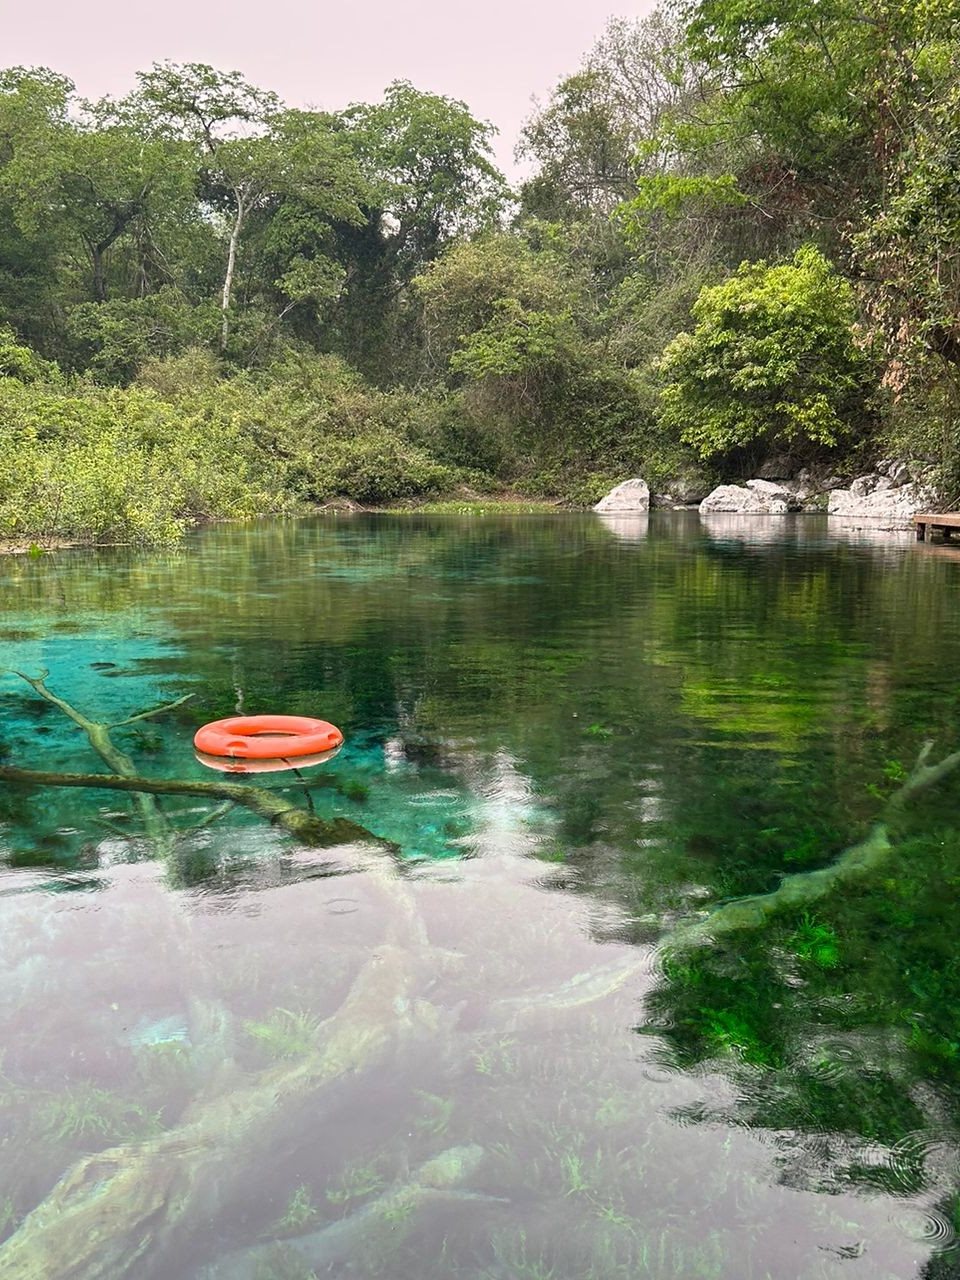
{"points": [[433, 1183], [805, 887], [307, 827], [98, 735], [118, 1214]]}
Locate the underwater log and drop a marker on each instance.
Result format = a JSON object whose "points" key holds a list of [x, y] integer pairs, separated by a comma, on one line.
{"points": [[307, 827], [434, 1182], [804, 887], [115, 1215]]}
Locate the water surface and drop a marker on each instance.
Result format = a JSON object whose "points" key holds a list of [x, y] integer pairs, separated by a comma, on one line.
{"points": [[469, 1045]]}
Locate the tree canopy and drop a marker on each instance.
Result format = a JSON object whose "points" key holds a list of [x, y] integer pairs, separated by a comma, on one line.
{"points": [[738, 229]]}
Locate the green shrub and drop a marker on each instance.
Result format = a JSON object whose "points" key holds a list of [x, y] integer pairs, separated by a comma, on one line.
{"points": [[18, 361], [772, 362], [114, 339], [100, 465], [185, 443]]}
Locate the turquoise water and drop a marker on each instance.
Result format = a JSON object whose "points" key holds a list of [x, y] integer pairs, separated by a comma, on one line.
{"points": [[484, 1033]]}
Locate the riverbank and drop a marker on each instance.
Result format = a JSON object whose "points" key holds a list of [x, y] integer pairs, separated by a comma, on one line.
{"points": [[480, 505]]}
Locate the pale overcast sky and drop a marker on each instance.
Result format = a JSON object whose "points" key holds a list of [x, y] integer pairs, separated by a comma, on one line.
{"points": [[493, 54]]}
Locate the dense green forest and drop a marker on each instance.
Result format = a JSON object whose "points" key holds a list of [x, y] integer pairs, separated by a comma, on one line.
{"points": [[740, 234]]}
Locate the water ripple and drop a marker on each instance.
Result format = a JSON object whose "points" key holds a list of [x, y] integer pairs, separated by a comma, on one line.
{"points": [[925, 1226]]}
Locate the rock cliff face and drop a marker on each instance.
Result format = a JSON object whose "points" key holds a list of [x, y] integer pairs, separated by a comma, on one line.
{"points": [[630, 498]]}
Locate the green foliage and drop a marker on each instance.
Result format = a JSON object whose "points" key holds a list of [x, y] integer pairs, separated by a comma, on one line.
{"points": [[910, 248], [584, 139], [18, 361], [816, 943], [772, 361], [199, 213], [185, 444], [674, 193], [285, 1034], [300, 1213], [355, 1182], [107, 465], [85, 1114], [115, 339], [544, 401]]}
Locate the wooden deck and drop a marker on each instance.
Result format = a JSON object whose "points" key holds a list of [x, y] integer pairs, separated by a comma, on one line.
{"points": [[945, 523]]}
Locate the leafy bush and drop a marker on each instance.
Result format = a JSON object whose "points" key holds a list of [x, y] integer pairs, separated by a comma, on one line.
{"points": [[379, 468], [772, 361], [18, 361], [113, 339], [185, 443], [96, 465]]}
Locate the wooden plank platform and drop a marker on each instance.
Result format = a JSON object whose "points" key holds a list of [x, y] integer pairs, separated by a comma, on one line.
{"points": [[945, 523]]}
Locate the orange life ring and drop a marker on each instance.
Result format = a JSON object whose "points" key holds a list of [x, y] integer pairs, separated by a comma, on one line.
{"points": [[267, 737]]}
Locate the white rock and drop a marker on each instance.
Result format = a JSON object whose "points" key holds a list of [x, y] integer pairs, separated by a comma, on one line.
{"points": [[757, 497], [864, 485], [630, 498], [767, 489], [896, 505]]}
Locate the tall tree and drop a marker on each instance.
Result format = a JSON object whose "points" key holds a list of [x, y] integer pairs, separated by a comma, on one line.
{"points": [[431, 180], [583, 141], [255, 154], [92, 176]]}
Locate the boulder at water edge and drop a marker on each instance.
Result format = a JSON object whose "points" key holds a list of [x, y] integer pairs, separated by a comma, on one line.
{"points": [[630, 498], [897, 504], [894, 491], [757, 497]]}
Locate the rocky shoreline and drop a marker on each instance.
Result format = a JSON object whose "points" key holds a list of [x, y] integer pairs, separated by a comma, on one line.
{"points": [[892, 492]]}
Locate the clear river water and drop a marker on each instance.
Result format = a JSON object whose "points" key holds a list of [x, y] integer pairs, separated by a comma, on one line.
{"points": [[488, 1027]]}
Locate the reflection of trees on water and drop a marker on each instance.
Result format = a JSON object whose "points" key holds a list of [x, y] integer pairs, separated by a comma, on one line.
{"points": [[667, 725]]}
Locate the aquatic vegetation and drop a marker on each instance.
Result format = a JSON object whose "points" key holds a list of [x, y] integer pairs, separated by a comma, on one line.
{"points": [[199, 1156], [147, 743], [437, 1112], [436, 1181], [496, 1058], [285, 1033], [301, 1212], [795, 891], [816, 942], [356, 1182], [84, 1114]]}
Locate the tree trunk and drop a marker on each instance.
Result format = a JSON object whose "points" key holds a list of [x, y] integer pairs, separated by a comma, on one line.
{"points": [[99, 272], [228, 278]]}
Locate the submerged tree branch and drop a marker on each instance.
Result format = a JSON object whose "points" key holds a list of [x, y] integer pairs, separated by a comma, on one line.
{"points": [[98, 735], [808, 886], [153, 711], [434, 1182], [307, 827], [116, 1214]]}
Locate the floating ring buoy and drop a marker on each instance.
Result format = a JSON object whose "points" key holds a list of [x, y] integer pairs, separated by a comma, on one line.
{"points": [[267, 737]]}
